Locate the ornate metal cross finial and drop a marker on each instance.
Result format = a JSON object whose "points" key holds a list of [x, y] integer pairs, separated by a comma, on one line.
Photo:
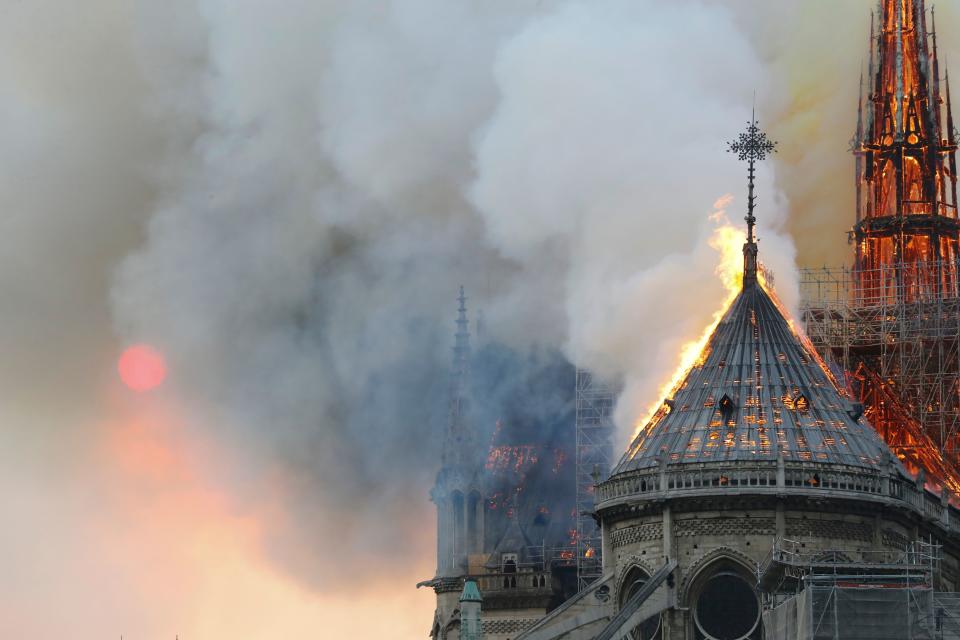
{"points": [[751, 145]]}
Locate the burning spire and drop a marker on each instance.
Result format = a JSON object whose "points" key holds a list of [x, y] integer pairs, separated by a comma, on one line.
{"points": [[752, 145], [907, 227]]}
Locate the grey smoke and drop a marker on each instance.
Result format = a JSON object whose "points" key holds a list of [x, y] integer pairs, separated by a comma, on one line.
{"points": [[299, 270], [284, 197]]}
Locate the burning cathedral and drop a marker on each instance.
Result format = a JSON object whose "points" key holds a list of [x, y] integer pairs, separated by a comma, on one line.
{"points": [[789, 487]]}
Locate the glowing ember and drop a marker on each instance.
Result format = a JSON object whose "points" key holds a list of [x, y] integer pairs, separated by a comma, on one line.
{"points": [[517, 459], [142, 367], [559, 457]]}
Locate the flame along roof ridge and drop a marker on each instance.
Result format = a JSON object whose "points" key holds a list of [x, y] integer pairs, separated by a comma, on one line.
{"points": [[756, 391]]}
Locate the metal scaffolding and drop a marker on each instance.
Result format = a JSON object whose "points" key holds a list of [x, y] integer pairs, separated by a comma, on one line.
{"points": [[855, 594], [595, 401], [895, 341]]}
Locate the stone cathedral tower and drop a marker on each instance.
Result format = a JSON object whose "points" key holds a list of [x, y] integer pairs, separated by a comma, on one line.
{"points": [[458, 492], [504, 497]]}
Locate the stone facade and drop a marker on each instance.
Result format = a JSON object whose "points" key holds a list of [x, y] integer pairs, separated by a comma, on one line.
{"points": [[507, 628], [739, 540], [690, 519]]}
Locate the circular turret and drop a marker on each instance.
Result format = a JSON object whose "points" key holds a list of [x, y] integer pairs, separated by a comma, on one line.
{"points": [[757, 448]]}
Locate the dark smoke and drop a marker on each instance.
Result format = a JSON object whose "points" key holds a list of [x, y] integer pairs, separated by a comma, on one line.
{"points": [[284, 197]]}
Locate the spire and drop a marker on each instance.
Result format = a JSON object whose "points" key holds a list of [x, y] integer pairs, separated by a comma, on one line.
{"points": [[899, 105], [935, 99], [471, 603], [903, 164], [933, 26], [752, 145], [457, 528], [458, 434], [951, 132], [471, 593], [951, 143], [877, 46], [871, 73], [461, 346], [856, 144], [858, 141]]}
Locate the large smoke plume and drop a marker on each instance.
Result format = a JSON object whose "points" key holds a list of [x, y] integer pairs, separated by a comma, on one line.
{"points": [[284, 197]]}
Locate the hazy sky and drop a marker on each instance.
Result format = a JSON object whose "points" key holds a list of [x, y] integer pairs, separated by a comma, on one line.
{"points": [[282, 198]]}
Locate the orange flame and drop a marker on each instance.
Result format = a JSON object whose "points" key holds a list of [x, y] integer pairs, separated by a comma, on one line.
{"points": [[727, 240]]}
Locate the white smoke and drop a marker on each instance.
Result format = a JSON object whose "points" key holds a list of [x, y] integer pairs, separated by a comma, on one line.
{"points": [[607, 149], [560, 159], [284, 197]]}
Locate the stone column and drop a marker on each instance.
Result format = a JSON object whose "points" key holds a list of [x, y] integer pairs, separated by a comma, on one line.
{"points": [[606, 547], [667, 533]]}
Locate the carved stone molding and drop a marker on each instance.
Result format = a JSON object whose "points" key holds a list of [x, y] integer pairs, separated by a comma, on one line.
{"points": [[891, 538], [706, 527], [832, 529], [508, 625], [691, 573], [637, 533], [626, 565]]}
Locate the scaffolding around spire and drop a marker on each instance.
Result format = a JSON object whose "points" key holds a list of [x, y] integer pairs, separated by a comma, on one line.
{"points": [[891, 321], [906, 186]]}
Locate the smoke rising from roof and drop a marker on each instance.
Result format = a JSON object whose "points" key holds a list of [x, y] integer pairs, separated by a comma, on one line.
{"points": [[283, 198]]}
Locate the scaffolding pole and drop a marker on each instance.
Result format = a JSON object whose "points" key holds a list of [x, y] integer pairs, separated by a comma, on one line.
{"points": [[594, 442]]}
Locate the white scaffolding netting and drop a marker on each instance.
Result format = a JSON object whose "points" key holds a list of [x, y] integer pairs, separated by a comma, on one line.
{"points": [[852, 613]]}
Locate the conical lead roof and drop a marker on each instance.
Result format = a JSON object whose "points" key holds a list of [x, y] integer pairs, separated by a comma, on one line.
{"points": [[756, 392], [471, 593]]}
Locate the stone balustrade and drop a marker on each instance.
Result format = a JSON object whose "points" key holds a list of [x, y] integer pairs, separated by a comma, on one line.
{"points": [[530, 582], [778, 478]]}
